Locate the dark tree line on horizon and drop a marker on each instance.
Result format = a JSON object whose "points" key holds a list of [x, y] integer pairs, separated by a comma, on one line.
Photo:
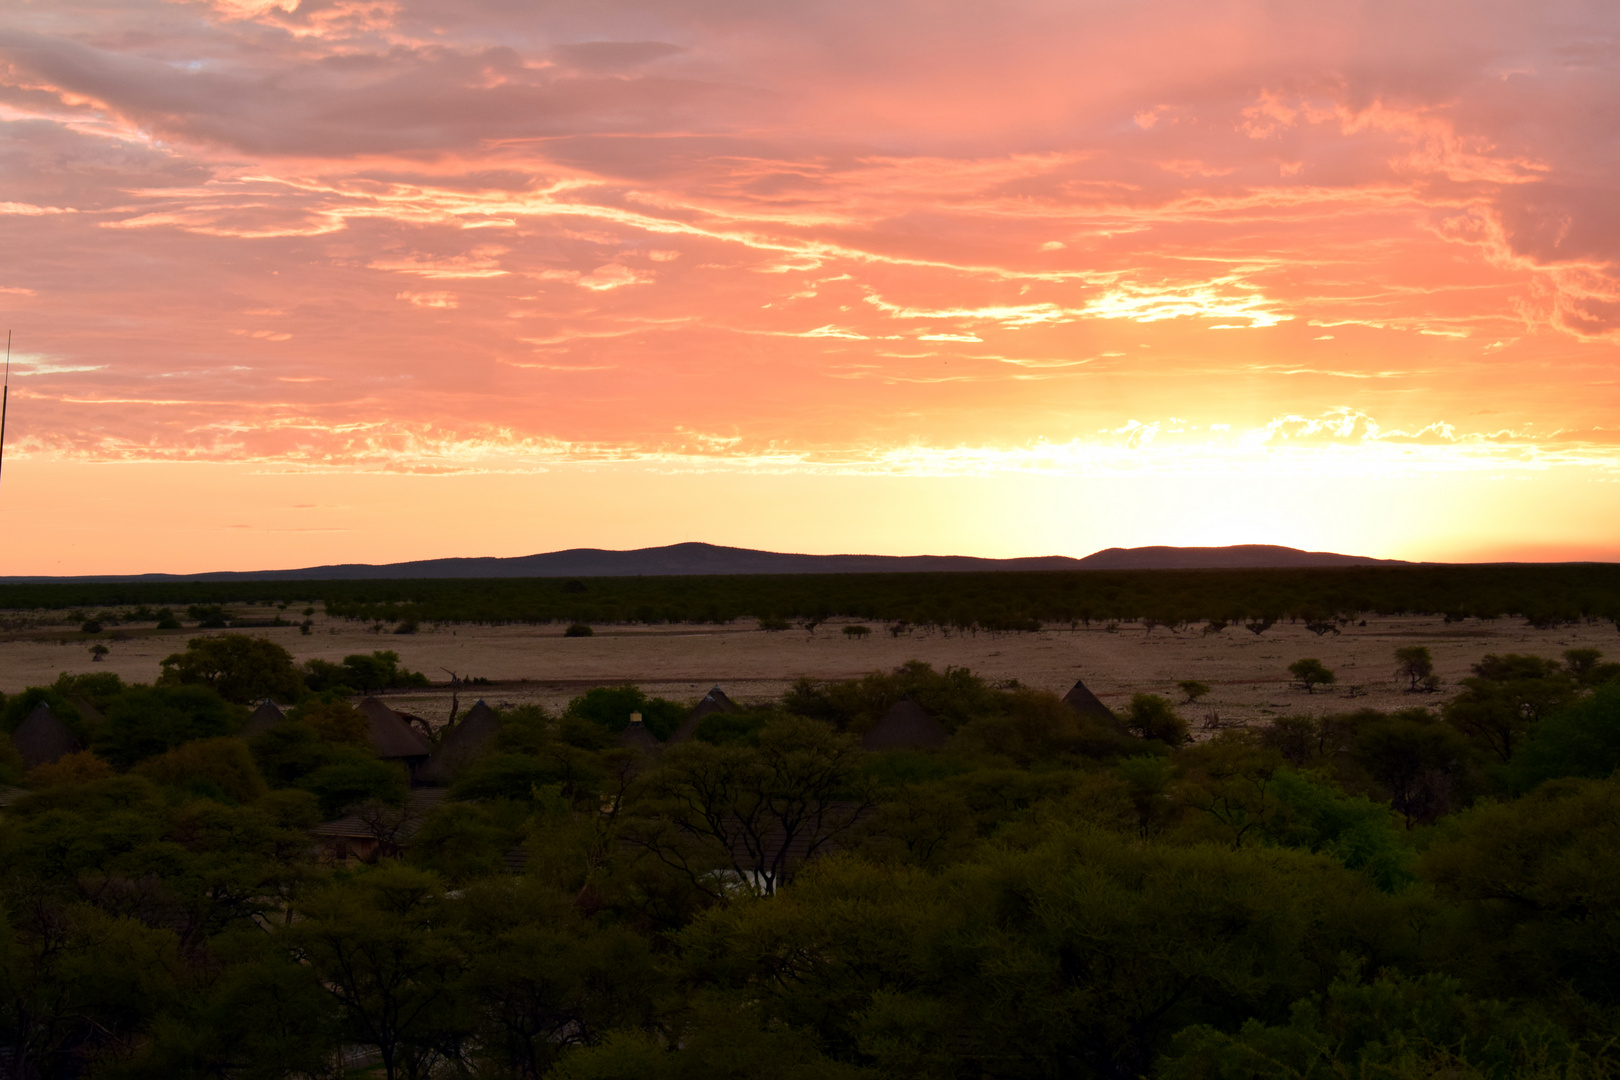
{"points": [[1544, 595]]}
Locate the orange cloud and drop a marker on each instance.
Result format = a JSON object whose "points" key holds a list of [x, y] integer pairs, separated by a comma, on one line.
{"points": [[405, 236]]}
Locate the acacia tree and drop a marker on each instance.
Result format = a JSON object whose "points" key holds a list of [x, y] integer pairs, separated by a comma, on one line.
{"points": [[1193, 689], [543, 977], [1415, 758], [76, 984], [723, 814], [1415, 665], [391, 958], [239, 667], [1311, 673], [1506, 697], [1583, 666], [1229, 780]]}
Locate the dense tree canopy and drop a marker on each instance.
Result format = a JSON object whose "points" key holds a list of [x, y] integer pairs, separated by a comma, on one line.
{"points": [[241, 668], [1406, 895], [999, 601]]}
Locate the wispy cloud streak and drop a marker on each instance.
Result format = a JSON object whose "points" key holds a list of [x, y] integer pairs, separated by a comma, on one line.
{"points": [[407, 234]]}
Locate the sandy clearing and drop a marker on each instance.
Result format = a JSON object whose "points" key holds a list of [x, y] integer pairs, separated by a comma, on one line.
{"points": [[536, 664]]}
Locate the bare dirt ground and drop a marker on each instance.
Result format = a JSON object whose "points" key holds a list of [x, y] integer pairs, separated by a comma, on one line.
{"points": [[538, 665]]}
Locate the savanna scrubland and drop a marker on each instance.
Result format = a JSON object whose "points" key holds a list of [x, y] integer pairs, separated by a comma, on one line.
{"points": [[1416, 879]]}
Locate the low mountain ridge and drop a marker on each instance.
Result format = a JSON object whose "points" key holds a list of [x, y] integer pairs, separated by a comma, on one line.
{"points": [[698, 558], [1233, 557]]}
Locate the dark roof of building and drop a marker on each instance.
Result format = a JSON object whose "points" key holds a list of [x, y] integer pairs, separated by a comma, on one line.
{"points": [[1085, 702], [460, 745], [637, 737], [42, 737], [265, 717], [715, 701], [391, 736], [906, 724], [354, 827]]}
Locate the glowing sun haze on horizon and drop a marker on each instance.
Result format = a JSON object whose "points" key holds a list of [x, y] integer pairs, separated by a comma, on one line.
{"points": [[309, 281]]}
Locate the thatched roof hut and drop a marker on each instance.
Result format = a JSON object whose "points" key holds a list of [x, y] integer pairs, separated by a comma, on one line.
{"points": [[460, 745], [1086, 703], [265, 717], [370, 832], [637, 737], [392, 737], [715, 701], [906, 725], [42, 737]]}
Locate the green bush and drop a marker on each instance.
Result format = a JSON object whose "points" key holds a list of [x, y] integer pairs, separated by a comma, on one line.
{"points": [[289, 751], [1363, 835], [208, 616], [461, 842], [1393, 1026], [1583, 739], [1536, 889], [611, 706], [12, 765], [737, 727], [1153, 717], [507, 776], [350, 777], [145, 721], [218, 768]]}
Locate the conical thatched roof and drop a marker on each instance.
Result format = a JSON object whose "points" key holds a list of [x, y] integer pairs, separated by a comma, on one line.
{"points": [[715, 701], [906, 725], [637, 737], [42, 737], [89, 715], [460, 745], [1085, 702], [265, 717], [391, 736]]}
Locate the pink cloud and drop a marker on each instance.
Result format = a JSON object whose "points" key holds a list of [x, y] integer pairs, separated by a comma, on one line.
{"points": [[614, 217]]}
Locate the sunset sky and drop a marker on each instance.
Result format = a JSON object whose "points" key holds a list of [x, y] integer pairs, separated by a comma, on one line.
{"points": [[310, 281]]}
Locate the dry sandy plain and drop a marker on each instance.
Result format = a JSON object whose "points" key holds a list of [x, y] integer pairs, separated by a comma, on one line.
{"points": [[537, 664]]}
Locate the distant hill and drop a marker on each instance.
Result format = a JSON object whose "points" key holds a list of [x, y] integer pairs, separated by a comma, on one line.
{"points": [[1235, 557], [695, 558]]}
